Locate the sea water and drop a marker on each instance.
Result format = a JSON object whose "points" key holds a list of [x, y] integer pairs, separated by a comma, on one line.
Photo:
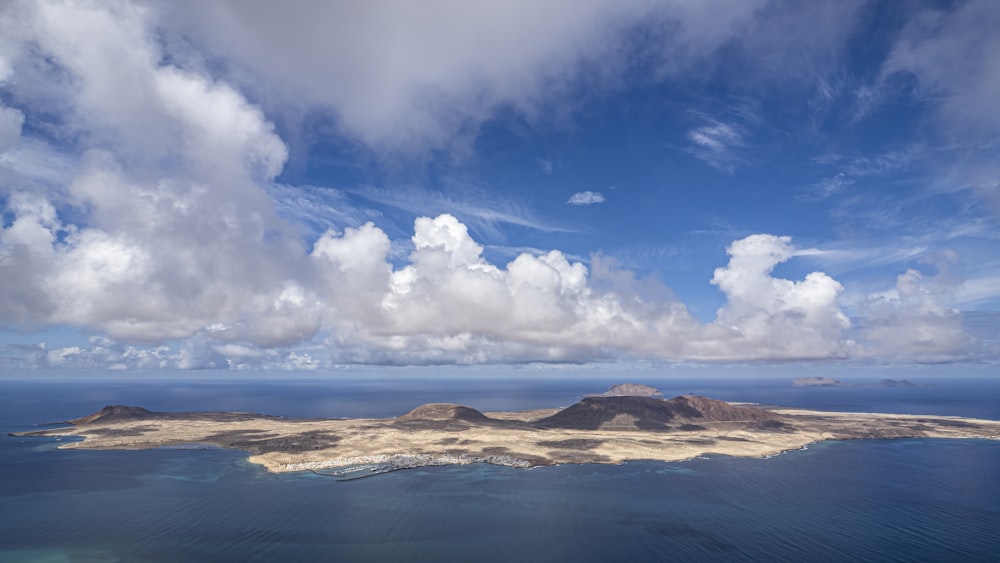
{"points": [[871, 500]]}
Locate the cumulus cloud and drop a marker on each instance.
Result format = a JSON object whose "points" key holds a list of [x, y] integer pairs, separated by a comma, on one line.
{"points": [[176, 224], [911, 321], [586, 198], [450, 304], [193, 354], [794, 319], [161, 231]]}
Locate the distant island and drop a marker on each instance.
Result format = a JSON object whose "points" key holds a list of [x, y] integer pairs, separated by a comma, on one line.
{"points": [[630, 390], [830, 382], [598, 429]]}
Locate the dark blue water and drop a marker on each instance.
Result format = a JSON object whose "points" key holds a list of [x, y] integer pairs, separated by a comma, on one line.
{"points": [[898, 500]]}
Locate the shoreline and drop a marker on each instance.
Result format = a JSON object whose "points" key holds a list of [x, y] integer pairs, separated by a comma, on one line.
{"points": [[441, 434]]}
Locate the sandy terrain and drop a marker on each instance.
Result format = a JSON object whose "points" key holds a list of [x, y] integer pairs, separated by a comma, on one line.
{"points": [[445, 434]]}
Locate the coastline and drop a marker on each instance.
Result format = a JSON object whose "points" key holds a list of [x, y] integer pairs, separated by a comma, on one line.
{"points": [[443, 434]]}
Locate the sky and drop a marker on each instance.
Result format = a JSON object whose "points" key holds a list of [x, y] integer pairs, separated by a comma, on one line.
{"points": [[311, 185]]}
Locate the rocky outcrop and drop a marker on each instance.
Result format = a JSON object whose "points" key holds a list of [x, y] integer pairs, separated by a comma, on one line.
{"points": [[114, 413], [648, 413], [444, 412]]}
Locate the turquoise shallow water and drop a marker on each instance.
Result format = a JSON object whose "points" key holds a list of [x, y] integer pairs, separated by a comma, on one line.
{"points": [[898, 500]]}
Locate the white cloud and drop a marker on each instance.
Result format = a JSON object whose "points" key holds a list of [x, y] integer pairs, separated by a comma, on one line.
{"points": [[160, 226], [586, 198], [102, 353], [716, 137], [849, 170], [853, 257], [414, 78], [910, 321], [481, 208], [25, 251], [174, 225], [953, 55], [829, 187], [717, 144], [62, 355], [448, 304], [879, 164], [978, 289], [793, 319], [34, 163], [400, 75], [11, 121], [417, 78]]}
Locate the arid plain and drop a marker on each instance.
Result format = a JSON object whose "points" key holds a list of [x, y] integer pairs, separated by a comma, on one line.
{"points": [[598, 429]]}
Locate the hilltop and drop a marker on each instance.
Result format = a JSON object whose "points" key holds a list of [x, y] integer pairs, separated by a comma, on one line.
{"points": [[597, 429], [648, 413], [444, 411], [114, 413]]}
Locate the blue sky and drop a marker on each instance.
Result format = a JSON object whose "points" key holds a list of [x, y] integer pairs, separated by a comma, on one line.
{"points": [[259, 187]]}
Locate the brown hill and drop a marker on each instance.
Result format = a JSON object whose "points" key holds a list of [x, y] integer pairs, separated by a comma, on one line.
{"points": [[114, 413], [648, 413], [444, 412]]}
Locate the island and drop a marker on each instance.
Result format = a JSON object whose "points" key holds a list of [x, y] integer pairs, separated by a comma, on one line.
{"points": [[830, 382], [597, 429], [630, 390]]}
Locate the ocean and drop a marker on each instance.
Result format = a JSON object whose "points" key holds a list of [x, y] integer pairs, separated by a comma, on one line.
{"points": [[872, 500]]}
